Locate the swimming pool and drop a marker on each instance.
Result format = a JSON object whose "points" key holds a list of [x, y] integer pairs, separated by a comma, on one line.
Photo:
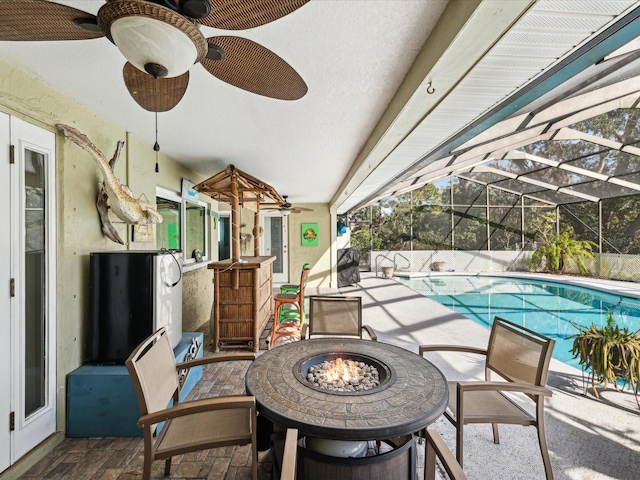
{"points": [[545, 307]]}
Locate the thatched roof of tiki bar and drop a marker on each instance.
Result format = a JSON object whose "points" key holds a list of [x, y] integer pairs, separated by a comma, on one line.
{"points": [[238, 188], [249, 190]]}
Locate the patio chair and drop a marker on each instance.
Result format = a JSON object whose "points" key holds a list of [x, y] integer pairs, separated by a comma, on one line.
{"points": [[290, 313], [336, 316], [293, 287], [435, 446], [188, 426], [286, 325], [290, 458], [521, 357]]}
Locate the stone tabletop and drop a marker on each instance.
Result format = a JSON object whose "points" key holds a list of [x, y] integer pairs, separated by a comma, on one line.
{"points": [[416, 397]]}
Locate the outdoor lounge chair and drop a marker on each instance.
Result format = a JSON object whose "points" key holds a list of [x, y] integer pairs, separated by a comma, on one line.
{"points": [[435, 446], [521, 357], [336, 316], [188, 426]]}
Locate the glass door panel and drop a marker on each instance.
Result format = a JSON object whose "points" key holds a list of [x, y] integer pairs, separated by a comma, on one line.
{"points": [[275, 243], [35, 281], [224, 237], [33, 245]]}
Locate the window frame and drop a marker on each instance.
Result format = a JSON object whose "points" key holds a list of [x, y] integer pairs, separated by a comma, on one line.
{"points": [[205, 251], [172, 197], [175, 197]]}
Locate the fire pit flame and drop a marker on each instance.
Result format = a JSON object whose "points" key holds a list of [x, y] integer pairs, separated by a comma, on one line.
{"points": [[340, 374], [344, 370]]}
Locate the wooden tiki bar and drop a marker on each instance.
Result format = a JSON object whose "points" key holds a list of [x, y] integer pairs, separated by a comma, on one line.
{"points": [[243, 286]]}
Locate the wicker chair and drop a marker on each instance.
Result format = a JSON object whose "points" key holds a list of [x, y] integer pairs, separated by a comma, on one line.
{"points": [[336, 316], [284, 323], [521, 357], [188, 426], [435, 446]]}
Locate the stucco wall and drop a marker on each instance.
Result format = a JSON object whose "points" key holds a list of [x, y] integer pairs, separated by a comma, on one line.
{"points": [[197, 298], [79, 231], [318, 257]]}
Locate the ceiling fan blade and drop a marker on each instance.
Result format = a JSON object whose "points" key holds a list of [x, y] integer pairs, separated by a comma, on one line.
{"points": [[240, 15], [254, 68], [39, 20], [303, 209], [141, 87]]}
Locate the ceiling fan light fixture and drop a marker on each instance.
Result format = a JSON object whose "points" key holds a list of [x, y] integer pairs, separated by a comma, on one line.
{"points": [[144, 40], [155, 70], [195, 8], [215, 52], [147, 33], [89, 24]]}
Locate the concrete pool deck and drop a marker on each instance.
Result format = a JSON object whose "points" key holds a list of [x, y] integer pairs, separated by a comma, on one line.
{"points": [[588, 438]]}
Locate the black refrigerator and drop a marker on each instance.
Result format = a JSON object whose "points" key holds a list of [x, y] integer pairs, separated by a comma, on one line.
{"points": [[132, 294]]}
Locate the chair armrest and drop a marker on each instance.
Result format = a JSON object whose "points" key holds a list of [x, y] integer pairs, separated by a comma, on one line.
{"points": [[289, 458], [226, 357], [475, 386], [303, 331], [436, 444], [451, 348], [370, 332], [197, 406]]}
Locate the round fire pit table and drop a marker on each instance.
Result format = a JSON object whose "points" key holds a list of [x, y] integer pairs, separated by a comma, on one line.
{"points": [[414, 392]]}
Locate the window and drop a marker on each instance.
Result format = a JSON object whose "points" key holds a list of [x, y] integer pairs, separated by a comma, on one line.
{"points": [[168, 233], [195, 229], [184, 225], [224, 237]]}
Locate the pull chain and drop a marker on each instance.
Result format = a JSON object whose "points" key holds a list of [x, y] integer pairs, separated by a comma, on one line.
{"points": [[156, 146]]}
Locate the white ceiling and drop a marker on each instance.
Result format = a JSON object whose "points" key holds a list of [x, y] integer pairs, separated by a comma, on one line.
{"points": [[388, 87], [353, 55], [548, 43]]}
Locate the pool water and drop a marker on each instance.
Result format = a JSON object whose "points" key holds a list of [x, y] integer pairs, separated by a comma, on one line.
{"points": [[545, 307]]}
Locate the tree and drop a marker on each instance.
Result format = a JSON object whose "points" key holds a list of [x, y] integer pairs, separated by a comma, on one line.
{"points": [[454, 211]]}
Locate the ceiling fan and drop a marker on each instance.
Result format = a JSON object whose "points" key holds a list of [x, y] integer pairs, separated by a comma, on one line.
{"points": [[287, 208], [161, 39]]}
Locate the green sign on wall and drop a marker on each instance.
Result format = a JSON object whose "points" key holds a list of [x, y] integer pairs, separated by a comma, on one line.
{"points": [[309, 235]]}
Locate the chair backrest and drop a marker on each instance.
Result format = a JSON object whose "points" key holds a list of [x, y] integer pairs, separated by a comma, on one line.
{"points": [[335, 315], [152, 368], [304, 276], [303, 282], [518, 354]]}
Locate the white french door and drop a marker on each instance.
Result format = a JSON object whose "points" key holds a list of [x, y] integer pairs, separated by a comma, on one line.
{"points": [[27, 339], [5, 295], [275, 242]]}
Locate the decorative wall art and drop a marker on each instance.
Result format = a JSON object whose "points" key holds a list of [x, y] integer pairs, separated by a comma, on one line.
{"points": [[309, 235], [143, 233], [113, 195]]}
